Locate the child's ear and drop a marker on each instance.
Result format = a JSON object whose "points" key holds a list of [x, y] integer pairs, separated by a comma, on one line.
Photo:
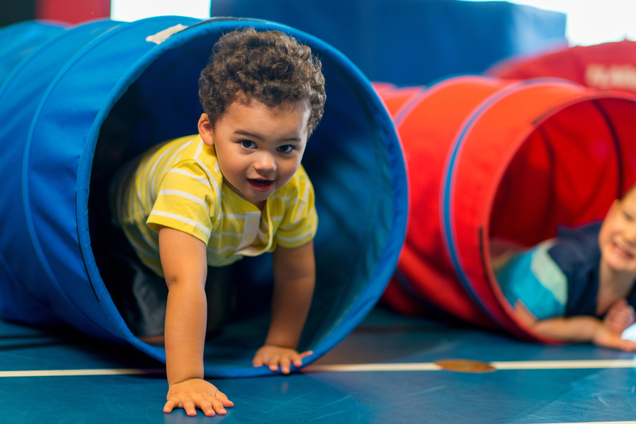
{"points": [[205, 130]]}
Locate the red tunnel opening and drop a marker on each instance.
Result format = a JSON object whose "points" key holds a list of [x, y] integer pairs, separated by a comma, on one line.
{"points": [[498, 160]]}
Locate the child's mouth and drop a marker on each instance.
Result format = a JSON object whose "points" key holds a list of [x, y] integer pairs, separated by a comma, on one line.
{"points": [[623, 252], [261, 185]]}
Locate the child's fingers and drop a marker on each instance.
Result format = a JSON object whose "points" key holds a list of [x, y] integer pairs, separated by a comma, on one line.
{"points": [[258, 361], [618, 308], [218, 406], [285, 365], [210, 405], [619, 304], [623, 318], [188, 406], [297, 360], [172, 403], [614, 341], [204, 403], [224, 400], [627, 345], [273, 363], [623, 310]]}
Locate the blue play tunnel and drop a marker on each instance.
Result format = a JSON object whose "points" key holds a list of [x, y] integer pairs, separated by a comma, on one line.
{"points": [[18, 41], [96, 95]]}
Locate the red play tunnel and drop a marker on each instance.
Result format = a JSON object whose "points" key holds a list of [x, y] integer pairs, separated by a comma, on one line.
{"points": [[605, 66], [512, 160]]}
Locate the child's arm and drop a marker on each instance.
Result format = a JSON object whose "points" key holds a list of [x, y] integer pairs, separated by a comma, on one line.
{"points": [[574, 329], [294, 280], [184, 263]]}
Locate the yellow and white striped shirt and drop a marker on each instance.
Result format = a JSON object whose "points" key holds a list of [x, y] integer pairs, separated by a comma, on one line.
{"points": [[178, 184]]}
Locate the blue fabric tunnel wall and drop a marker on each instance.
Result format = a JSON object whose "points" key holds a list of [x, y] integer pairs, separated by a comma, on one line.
{"points": [[18, 41], [96, 95]]}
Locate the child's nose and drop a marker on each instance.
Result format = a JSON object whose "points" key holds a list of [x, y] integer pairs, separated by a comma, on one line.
{"points": [[265, 162]]}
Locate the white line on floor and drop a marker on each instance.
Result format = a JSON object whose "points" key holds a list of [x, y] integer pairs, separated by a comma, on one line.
{"points": [[508, 365], [66, 373], [425, 366], [422, 366], [555, 365]]}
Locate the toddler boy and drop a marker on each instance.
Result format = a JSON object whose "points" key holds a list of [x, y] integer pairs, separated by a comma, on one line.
{"points": [[236, 189], [579, 287]]}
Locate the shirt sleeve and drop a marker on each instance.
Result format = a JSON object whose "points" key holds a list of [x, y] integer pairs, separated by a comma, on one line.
{"points": [[534, 278], [300, 221], [186, 201], [578, 255]]}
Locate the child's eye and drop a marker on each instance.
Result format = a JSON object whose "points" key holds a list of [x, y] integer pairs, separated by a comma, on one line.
{"points": [[628, 217], [248, 144], [286, 148]]}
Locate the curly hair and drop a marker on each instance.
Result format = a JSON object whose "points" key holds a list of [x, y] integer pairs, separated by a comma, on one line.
{"points": [[268, 66]]}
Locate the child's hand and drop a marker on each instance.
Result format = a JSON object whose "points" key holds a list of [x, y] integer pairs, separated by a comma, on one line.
{"points": [[604, 337], [619, 317], [273, 356], [193, 393]]}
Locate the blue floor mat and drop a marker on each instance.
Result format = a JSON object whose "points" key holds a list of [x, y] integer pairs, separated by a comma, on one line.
{"points": [[601, 394]]}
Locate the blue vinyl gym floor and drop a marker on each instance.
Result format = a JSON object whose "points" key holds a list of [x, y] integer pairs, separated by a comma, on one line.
{"points": [[383, 372]]}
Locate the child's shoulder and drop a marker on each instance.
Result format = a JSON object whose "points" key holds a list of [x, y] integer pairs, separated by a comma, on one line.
{"points": [[299, 184], [301, 175], [187, 146], [576, 250], [164, 152], [581, 234], [191, 150], [579, 242], [187, 160]]}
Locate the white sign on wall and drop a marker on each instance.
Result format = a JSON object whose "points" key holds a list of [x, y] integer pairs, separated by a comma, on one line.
{"points": [[132, 10]]}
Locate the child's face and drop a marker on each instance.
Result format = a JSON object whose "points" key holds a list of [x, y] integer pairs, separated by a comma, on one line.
{"points": [[617, 238], [258, 148]]}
